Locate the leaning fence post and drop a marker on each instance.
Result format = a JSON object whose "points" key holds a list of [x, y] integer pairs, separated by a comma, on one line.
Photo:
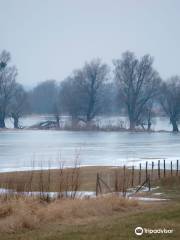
{"points": [[97, 184], [140, 173], [177, 167], [159, 170], [164, 167], [171, 168]]}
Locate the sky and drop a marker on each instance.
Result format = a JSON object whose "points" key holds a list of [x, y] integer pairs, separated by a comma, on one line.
{"points": [[48, 39]]}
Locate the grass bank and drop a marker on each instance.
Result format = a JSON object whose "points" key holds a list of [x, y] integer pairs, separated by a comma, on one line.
{"points": [[105, 217]]}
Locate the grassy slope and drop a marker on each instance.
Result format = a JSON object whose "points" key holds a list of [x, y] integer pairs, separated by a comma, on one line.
{"points": [[118, 227]]}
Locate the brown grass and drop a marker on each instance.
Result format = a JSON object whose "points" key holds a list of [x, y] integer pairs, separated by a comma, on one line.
{"points": [[27, 213], [77, 179], [58, 177]]}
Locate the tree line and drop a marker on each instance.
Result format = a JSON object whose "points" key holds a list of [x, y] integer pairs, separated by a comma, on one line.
{"points": [[133, 88]]}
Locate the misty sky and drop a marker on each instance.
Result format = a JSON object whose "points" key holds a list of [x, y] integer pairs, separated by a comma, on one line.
{"points": [[49, 38]]}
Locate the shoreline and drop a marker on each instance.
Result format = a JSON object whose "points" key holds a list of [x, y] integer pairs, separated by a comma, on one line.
{"points": [[86, 130], [86, 175], [83, 166]]}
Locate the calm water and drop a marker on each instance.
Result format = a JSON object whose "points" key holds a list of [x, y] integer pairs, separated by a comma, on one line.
{"points": [[18, 149]]}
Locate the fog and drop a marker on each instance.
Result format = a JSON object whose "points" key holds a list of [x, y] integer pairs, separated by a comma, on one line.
{"points": [[49, 38]]}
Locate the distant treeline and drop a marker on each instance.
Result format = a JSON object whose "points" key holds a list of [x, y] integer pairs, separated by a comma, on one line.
{"points": [[133, 87]]}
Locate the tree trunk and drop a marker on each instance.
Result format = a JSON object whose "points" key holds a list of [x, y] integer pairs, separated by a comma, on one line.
{"points": [[132, 124], [132, 121], [2, 122], [149, 122], [175, 126], [57, 121], [16, 122], [149, 126], [88, 118]]}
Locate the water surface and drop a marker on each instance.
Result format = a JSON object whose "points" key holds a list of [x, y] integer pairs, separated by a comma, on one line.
{"points": [[20, 149]]}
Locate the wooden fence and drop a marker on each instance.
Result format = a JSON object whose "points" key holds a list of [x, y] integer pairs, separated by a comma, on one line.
{"points": [[137, 176]]}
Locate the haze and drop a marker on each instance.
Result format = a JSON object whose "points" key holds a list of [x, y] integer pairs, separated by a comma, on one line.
{"points": [[48, 39]]}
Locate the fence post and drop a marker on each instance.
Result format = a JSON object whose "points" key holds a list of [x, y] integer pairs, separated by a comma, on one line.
{"points": [[132, 180], [164, 167], [146, 171], [159, 169], [97, 180], [171, 168], [152, 170], [98, 185], [140, 173], [177, 167], [116, 185], [124, 181], [149, 183]]}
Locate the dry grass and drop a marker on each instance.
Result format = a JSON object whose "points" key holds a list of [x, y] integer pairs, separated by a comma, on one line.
{"points": [[100, 218], [170, 187], [170, 181], [56, 179], [27, 213], [108, 217], [31, 179]]}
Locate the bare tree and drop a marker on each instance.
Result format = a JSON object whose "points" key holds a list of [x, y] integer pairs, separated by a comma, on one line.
{"points": [[18, 105], [82, 93], [137, 82], [90, 81], [147, 113], [70, 99], [7, 83], [170, 100], [43, 97]]}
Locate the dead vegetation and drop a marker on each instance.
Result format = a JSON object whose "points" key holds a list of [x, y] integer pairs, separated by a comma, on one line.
{"points": [[64, 181], [30, 213], [20, 212], [71, 180]]}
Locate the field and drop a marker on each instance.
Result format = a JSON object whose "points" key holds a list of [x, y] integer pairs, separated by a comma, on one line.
{"points": [[105, 217]]}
